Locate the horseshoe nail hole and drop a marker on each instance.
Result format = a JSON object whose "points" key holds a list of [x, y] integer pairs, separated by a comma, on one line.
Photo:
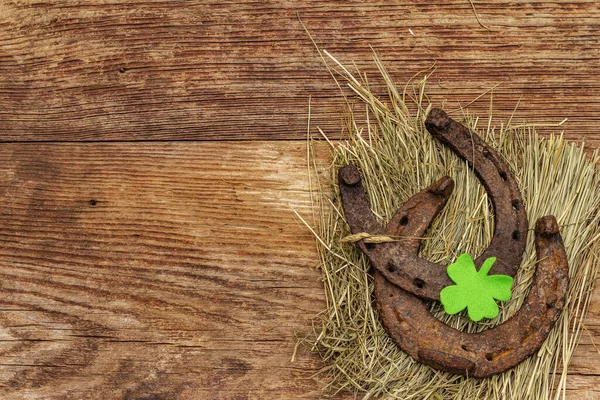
{"points": [[404, 221], [503, 176], [551, 301], [515, 204], [486, 153], [464, 347], [370, 246], [489, 357], [516, 235], [391, 295], [391, 267], [420, 283]]}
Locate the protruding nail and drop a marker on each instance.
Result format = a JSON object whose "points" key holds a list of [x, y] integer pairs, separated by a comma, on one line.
{"points": [[350, 175], [546, 226], [437, 119]]}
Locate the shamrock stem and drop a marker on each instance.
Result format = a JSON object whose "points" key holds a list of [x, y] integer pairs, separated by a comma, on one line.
{"points": [[487, 265]]}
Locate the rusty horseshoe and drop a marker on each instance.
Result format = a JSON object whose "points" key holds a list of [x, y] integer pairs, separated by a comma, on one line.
{"points": [[403, 280]]}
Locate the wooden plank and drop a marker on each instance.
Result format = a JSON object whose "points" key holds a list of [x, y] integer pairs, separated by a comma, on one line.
{"points": [[73, 70], [582, 388], [172, 270], [589, 345], [165, 270]]}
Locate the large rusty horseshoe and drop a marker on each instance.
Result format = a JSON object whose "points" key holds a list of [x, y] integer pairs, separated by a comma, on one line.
{"points": [[422, 277], [406, 317]]}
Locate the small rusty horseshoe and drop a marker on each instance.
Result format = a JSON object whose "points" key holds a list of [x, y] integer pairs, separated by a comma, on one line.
{"points": [[398, 285]]}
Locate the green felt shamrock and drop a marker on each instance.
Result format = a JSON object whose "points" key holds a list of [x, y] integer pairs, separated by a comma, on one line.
{"points": [[474, 290]]}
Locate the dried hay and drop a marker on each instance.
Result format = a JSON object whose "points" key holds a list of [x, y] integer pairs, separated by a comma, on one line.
{"points": [[398, 158]]}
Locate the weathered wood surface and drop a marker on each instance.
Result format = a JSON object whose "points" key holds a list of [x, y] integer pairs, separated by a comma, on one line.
{"points": [[166, 271], [176, 270], [164, 69]]}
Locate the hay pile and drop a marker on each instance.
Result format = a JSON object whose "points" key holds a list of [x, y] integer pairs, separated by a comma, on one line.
{"points": [[398, 158]]}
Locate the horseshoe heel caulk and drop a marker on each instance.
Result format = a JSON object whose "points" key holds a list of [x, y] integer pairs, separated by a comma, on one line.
{"points": [[403, 280]]}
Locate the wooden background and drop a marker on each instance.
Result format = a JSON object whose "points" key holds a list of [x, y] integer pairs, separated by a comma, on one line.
{"points": [[152, 152]]}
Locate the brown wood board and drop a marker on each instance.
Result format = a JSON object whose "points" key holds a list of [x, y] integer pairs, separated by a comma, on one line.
{"points": [[150, 268], [174, 270], [196, 70]]}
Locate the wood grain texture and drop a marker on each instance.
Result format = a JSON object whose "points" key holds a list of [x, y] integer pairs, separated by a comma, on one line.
{"points": [[176, 271], [73, 70], [166, 271], [145, 270]]}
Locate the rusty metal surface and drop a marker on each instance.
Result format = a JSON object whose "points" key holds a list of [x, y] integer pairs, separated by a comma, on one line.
{"points": [[407, 319], [394, 260], [403, 279], [510, 229], [421, 277]]}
